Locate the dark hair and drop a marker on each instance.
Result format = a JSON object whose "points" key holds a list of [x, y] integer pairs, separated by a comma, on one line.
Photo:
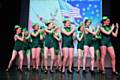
{"points": [[65, 21], [34, 25], [81, 25], [102, 21], [87, 21], [47, 23], [104, 18], [16, 29]]}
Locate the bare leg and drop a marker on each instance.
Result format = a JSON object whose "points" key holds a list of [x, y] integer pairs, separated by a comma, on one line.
{"points": [[103, 54], [92, 57], [28, 59], [85, 56], [42, 59], [80, 52], [21, 59], [45, 57], [70, 53], [112, 55], [33, 57], [52, 58], [37, 58], [14, 53], [59, 60], [98, 59], [65, 56]]}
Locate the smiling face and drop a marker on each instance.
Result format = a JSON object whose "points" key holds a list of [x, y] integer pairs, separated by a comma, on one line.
{"points": [[18, 30], [82, 29], [26, 33], [87, 23], [67, 24], [50, 25], [106, 22], [36, 27]]}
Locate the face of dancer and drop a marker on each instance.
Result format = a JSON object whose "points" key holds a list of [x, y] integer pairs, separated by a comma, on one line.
{"points": [[57, 30], [88, 23], [18, 30], [67, 24], [51, 25], [36, 27], [82, 29], [26, 33], [106, 22]]}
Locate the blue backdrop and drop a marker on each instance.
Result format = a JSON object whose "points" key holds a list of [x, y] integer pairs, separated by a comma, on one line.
{"points": [[76, 10]]}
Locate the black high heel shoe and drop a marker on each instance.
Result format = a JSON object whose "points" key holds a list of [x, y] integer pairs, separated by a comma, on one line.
{"points": [[63, 71], [37, 69], [20, 70], [45, 70], [78, 70], [7, 70], [84, 71], [92, 71], [42, 69], [70, 71], [103, 72], [115, 73], [51, 71], [33, 69], [59, 69], [28, 69]]}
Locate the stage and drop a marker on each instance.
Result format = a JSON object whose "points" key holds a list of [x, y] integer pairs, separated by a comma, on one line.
{"points": [[39, 75], [18, 12]]}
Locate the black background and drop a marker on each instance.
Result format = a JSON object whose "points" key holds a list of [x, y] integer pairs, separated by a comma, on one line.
{"points": [[14, 12]]}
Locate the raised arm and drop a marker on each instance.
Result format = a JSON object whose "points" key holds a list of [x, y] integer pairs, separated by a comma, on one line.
{"points": [[48, 31], [28, 36], [116, 31], [88, 30], [107, 32], [68, 33], [56, 37], [35, 34], [80, 38], [19, 38]]}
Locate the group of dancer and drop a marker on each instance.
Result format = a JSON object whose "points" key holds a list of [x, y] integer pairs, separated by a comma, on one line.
{"points": [[59, 43]]}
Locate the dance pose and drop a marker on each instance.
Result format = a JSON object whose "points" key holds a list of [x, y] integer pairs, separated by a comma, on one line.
{"points": [[80, 38], [49, 46], [106, 45], [67, 44], [27, 46], [88, 46], [36, 46], [18, 48], [97, 39], [42, 50], [57, 47]]}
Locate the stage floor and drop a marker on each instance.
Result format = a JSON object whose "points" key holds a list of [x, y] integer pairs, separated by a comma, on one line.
{"points": [[33, 75]]}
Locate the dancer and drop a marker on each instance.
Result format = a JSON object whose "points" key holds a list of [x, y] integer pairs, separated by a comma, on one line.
{"points": [[88, 46], [67, 44], [49, 46], [27, 46], [106, 45], [57, 47], [97, 40], [36, 46], [80, 38], [18, 47], [42, 49]]}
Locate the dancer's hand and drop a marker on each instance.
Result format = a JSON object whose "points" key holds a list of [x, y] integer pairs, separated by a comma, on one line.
{"points": [[117, 25], [113, 26]]}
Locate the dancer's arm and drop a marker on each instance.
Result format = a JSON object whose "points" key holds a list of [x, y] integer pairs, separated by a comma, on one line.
{"points": [[116, 32]]}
